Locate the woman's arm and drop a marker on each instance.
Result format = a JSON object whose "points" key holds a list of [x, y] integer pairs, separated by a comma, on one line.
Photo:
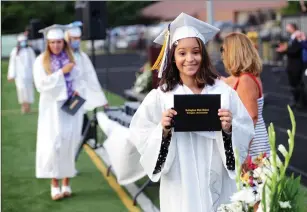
{"points": [[249, 93]]}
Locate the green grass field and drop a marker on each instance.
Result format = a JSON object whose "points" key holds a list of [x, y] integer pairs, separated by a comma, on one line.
{"points": [[21, 191]]}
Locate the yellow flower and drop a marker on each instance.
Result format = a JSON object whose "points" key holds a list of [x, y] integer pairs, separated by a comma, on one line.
{"points": [[245, 177]]}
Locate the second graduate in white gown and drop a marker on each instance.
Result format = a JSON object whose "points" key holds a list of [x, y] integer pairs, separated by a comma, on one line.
{"points": [[196, 169], [94, 94]]}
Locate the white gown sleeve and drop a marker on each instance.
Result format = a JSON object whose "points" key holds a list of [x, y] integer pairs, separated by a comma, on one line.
{"points": [[32, 60], [242, 130], [32, 56], [95, 96], [11, 74], [54, 84], [146, 135]]}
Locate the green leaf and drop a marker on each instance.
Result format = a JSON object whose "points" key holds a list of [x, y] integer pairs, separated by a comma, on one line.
{"points": [[264, 197]]}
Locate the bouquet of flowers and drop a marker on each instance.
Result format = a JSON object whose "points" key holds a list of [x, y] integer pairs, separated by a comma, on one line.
{"points": [[262, 182]]}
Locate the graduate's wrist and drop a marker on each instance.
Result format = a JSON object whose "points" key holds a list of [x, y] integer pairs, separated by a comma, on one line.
{"points": [[166, 132], [228, 131]]}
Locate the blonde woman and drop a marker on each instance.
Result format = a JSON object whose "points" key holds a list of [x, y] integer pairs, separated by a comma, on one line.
{"points": [[57, 78], [242, 62], [20, 70]]}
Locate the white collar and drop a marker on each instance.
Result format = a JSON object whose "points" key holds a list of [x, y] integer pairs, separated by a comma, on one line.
{"points": [[208, 89]]}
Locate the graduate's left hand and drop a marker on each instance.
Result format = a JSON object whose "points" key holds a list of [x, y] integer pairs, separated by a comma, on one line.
{"points": [[226, 119], [75, 93]]}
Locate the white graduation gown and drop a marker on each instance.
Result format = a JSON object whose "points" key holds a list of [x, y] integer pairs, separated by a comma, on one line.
{"points": [[94, 95], [20, 69], [123, 155], [194, 176], [57, 131]]}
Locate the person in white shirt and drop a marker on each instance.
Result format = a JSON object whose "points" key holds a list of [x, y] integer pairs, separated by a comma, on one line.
{"points": [[196, 169], [57, 78], [20, 70], [94, 94]]}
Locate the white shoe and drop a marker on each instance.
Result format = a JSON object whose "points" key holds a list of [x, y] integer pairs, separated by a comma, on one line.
{"points": [[66, 191], [56, 193], [306, 72]]}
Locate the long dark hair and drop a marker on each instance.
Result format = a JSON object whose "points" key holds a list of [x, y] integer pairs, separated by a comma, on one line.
{"points": [[204, 76]]}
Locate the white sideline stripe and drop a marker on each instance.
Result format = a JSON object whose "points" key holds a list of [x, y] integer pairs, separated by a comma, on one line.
{"points": [[298, 171], [278, 95], [284, 109], [101, 71], [280, 129], [143, 201]]}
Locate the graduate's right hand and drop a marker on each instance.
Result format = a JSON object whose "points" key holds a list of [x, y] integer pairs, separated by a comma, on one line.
{"points": [[167, 117], [68, 67], [10, 79]]}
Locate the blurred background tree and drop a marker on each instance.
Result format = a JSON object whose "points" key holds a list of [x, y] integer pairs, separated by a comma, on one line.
{"points": [[16, 15], [126, 12], [293, 8]]}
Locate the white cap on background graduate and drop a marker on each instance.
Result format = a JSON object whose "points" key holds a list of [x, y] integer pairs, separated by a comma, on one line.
{"points": [[74, 32], [184, 26], [21, 37], [74, 29], [54, 32]]}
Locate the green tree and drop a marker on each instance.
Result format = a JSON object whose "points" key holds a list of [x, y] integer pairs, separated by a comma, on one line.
{"points": [[16, 15], [293, 8], [126, 12]]}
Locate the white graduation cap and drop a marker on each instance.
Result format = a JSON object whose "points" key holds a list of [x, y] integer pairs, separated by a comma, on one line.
{"points": [[184, 26], [54, 32], [74, 29], [21, 37]]}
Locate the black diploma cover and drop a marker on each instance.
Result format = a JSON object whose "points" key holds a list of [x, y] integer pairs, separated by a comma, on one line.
{"points": [[198, 112], [73, 104]]}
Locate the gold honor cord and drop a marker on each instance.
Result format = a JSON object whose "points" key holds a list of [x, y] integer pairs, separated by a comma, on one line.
{"points": [[158, 62]]}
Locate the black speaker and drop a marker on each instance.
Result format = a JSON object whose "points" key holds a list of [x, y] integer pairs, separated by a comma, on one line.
{"points": [[79, 10], [93, 14], [34, 27]]}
